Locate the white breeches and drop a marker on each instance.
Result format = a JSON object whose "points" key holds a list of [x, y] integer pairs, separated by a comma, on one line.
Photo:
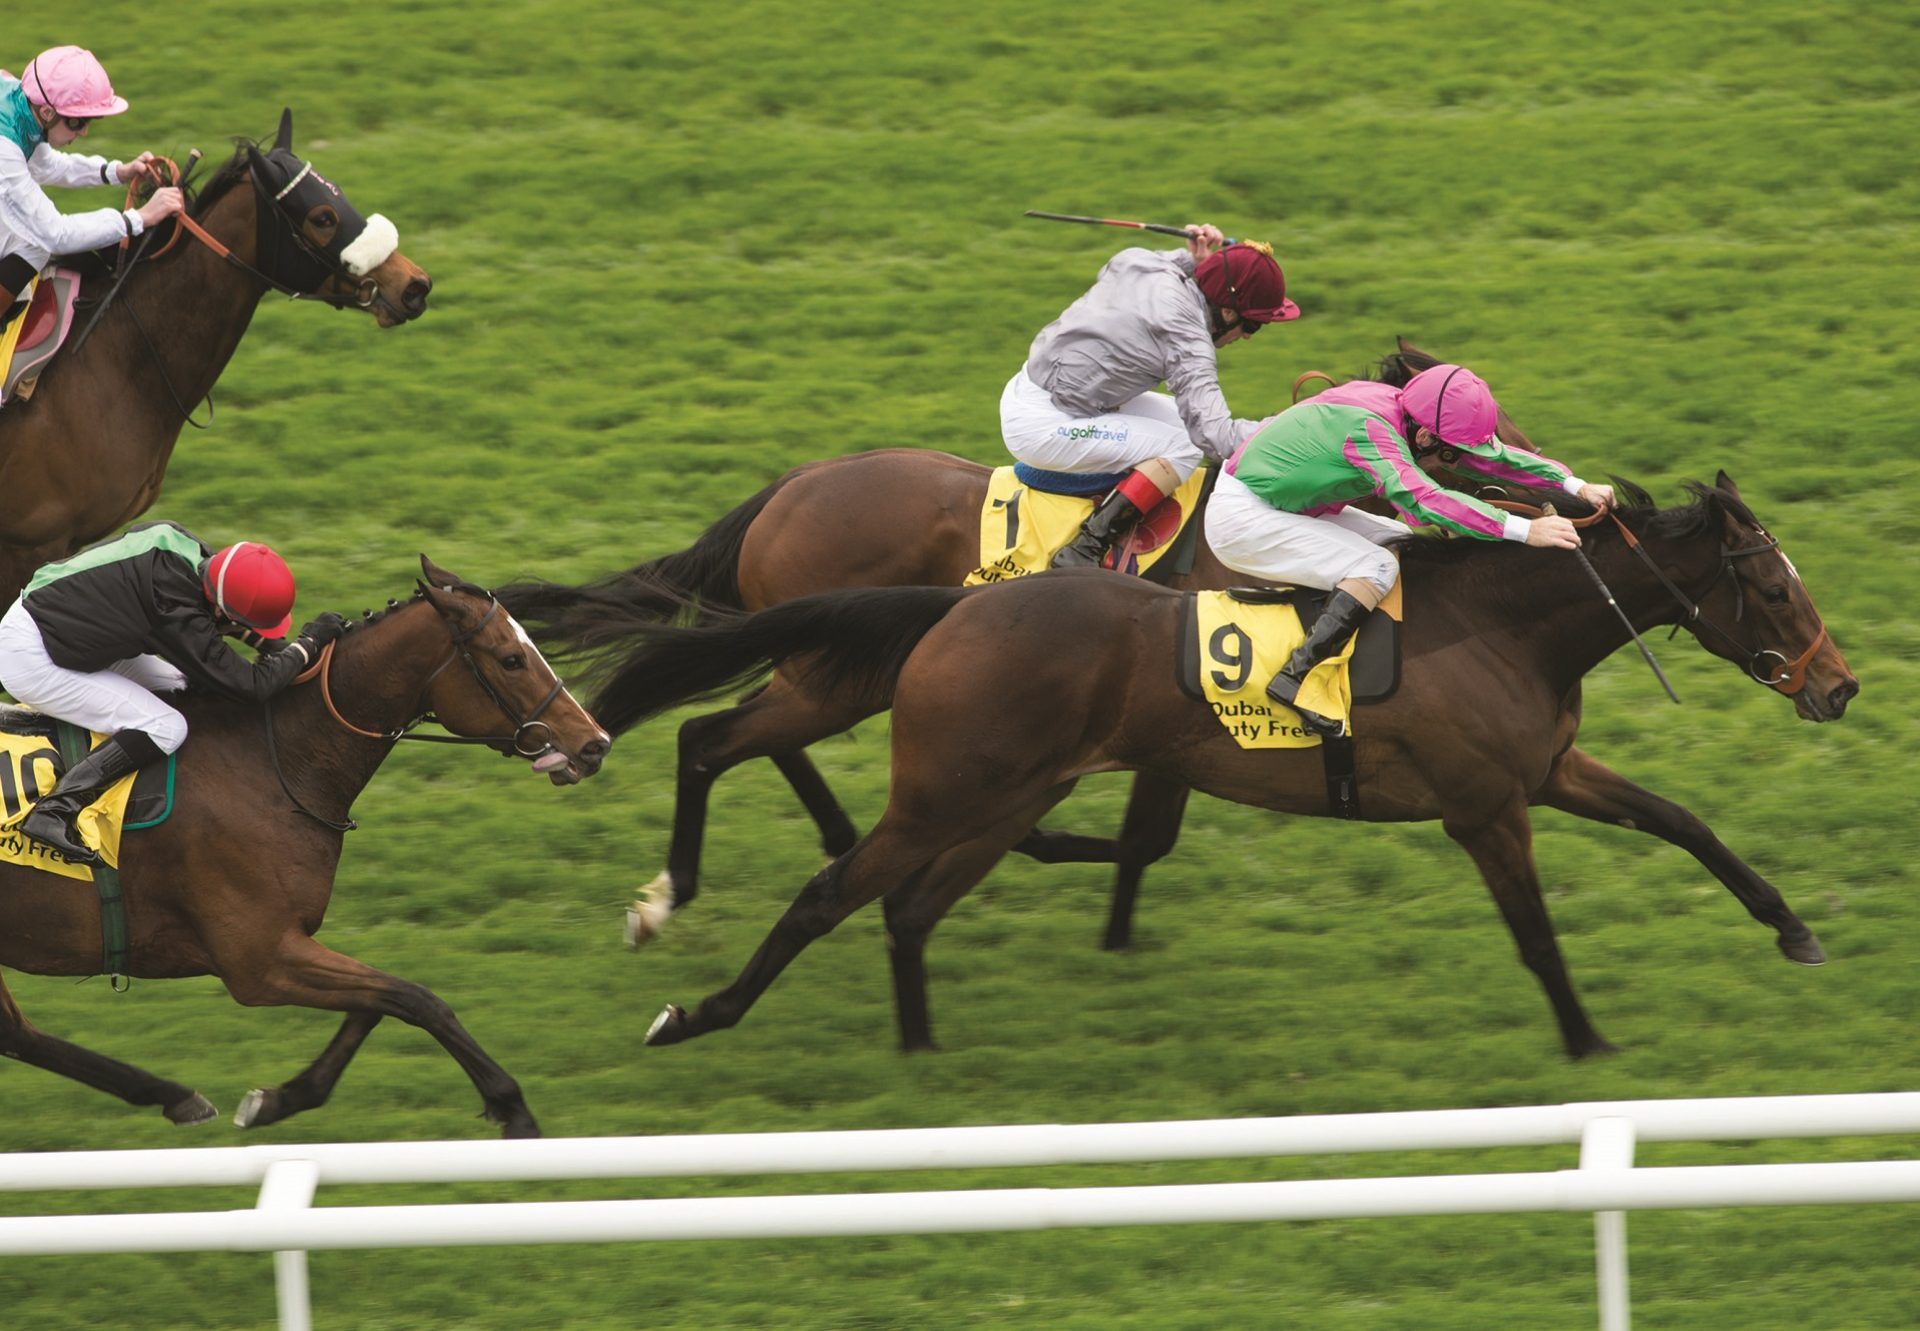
{"points": [[1252, 536], [1144, 428], [118, 698]]}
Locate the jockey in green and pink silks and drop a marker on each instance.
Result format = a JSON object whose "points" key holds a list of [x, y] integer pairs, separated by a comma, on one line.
{"points": [[1281, 510]]}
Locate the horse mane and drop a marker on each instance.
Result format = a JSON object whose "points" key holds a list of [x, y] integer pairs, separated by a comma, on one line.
{"points": [[222, 180], [1633, 505]]}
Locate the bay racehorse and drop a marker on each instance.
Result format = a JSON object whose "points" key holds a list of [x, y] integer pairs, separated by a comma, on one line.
{"points": [[87, 452], [890, 518], [1004, 696], [236, 882]]}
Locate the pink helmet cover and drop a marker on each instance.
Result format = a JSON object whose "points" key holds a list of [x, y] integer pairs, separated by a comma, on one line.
{"points": [[72, 82], [1453, 403]]}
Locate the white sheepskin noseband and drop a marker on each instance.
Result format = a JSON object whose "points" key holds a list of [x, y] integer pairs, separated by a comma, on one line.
{"points": [[372, 247]]}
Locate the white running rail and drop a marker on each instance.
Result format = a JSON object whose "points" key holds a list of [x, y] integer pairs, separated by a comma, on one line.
{"points": [[1606, 1183]]}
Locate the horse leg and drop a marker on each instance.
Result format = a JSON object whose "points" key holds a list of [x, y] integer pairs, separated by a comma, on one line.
{"points": [[302, 973], [310, 1089], [776, 722], [21, 1039], [1588, 789], [915, 907], [1152, 825], [886, 859], [1503, 848]]}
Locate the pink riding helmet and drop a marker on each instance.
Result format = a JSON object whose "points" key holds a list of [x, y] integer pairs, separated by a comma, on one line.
{"points": [[71, 81], [1453, 402]]}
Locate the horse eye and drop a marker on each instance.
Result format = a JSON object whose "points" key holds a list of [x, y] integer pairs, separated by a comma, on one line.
{"points": [[514, 661], [1777, 596]]}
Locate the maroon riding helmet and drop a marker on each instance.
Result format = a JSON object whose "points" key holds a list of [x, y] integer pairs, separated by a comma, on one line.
{"points": [[1244, 277]]}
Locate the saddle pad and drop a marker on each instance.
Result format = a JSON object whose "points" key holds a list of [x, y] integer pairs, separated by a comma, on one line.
{"points": [[1021, 528], [30, 765], [1232, 643], [27, 346]]}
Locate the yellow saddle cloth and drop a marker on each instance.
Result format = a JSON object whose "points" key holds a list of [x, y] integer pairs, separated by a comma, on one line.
{"points": [[1235, 647], [1021, 528], [28, 770]]}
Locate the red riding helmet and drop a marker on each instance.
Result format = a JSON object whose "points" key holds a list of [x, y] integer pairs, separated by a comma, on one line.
{"points": [[1244, 277], [249, 583]]}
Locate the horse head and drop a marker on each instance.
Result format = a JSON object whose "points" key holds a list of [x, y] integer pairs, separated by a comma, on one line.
{"points": [[507, 692], [312, 240], [1757, 614]]}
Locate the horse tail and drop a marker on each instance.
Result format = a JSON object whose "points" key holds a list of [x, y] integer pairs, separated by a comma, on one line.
{"points": [[854, 641], [609, 609]]}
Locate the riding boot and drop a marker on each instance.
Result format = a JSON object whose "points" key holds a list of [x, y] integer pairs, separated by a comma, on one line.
{"points": [[1341, 618], [1111, 519], [51, 821]]}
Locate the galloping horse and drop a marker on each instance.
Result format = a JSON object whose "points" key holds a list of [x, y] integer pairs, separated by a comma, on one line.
{"points": [[891, 518], [236, 882], [1004, 696], [87, 452]]}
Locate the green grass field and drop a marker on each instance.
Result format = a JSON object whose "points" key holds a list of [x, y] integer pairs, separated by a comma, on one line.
{"points": [[678, 249]]}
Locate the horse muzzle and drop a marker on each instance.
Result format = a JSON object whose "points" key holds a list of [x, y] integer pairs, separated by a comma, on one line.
{"points": [[1818, 705]]}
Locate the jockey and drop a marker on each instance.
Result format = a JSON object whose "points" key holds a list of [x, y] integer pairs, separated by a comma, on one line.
{"points": [[93, 637], [1083, 402], [48, 107], [1280, 509]]}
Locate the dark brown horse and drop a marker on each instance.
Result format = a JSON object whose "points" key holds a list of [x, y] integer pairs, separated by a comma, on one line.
{"points": [[236, 882], [1004, 696], [87, 452], [892, 518]]}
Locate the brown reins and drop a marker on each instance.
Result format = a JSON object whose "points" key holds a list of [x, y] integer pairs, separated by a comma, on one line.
{"points": [[322, 670]]}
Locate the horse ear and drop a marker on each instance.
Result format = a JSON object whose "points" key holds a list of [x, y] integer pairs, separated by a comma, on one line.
{"points": [[284, 139], [1725, 482], [257, 163], [1407, 348], [437, 578]]}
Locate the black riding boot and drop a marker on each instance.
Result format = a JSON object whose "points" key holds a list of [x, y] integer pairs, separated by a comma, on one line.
{"points": [[50, 822], [1112, 518], [1342, 617]]}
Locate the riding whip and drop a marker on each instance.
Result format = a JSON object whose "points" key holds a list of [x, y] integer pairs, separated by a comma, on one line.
{"points": [[1594, 573], [1183, 232]]}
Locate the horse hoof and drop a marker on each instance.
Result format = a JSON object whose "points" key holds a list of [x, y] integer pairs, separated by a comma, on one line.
{"points": [[669, 1027], [252, 1105], [196, 1108], [1806, 951]]}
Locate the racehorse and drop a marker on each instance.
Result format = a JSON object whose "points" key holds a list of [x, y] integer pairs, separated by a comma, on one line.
{"points": [[236, 882], [890, 518], [1004, 696], [87, 452]]}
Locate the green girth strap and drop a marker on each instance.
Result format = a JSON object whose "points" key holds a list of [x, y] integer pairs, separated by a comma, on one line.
{"points": [[73, 743]]}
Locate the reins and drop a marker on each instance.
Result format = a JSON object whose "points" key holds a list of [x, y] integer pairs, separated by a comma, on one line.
{"points": [[1792, 676], [322, 670], [366, 290]]}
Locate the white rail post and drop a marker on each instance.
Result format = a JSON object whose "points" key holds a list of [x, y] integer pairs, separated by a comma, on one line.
{"points": [[1607, 1144], [289, 1186]]}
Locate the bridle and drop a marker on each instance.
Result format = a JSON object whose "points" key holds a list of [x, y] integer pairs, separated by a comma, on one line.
{"points": [[1791, 677], [1792, 674], [524, 727], [365, 289]]}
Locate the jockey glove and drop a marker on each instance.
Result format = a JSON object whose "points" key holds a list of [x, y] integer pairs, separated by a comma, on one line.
{"points": [[323, 628]]}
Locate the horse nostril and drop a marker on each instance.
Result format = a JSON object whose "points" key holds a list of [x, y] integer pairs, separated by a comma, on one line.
{"points": [[414, 298], [1844, 694]]}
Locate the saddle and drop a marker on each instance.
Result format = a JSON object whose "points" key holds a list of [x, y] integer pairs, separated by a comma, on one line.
{"points": [[35, 752], [28, 342]]}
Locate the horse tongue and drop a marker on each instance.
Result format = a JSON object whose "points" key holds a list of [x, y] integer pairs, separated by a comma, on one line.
{"points": [[548, 761]]}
